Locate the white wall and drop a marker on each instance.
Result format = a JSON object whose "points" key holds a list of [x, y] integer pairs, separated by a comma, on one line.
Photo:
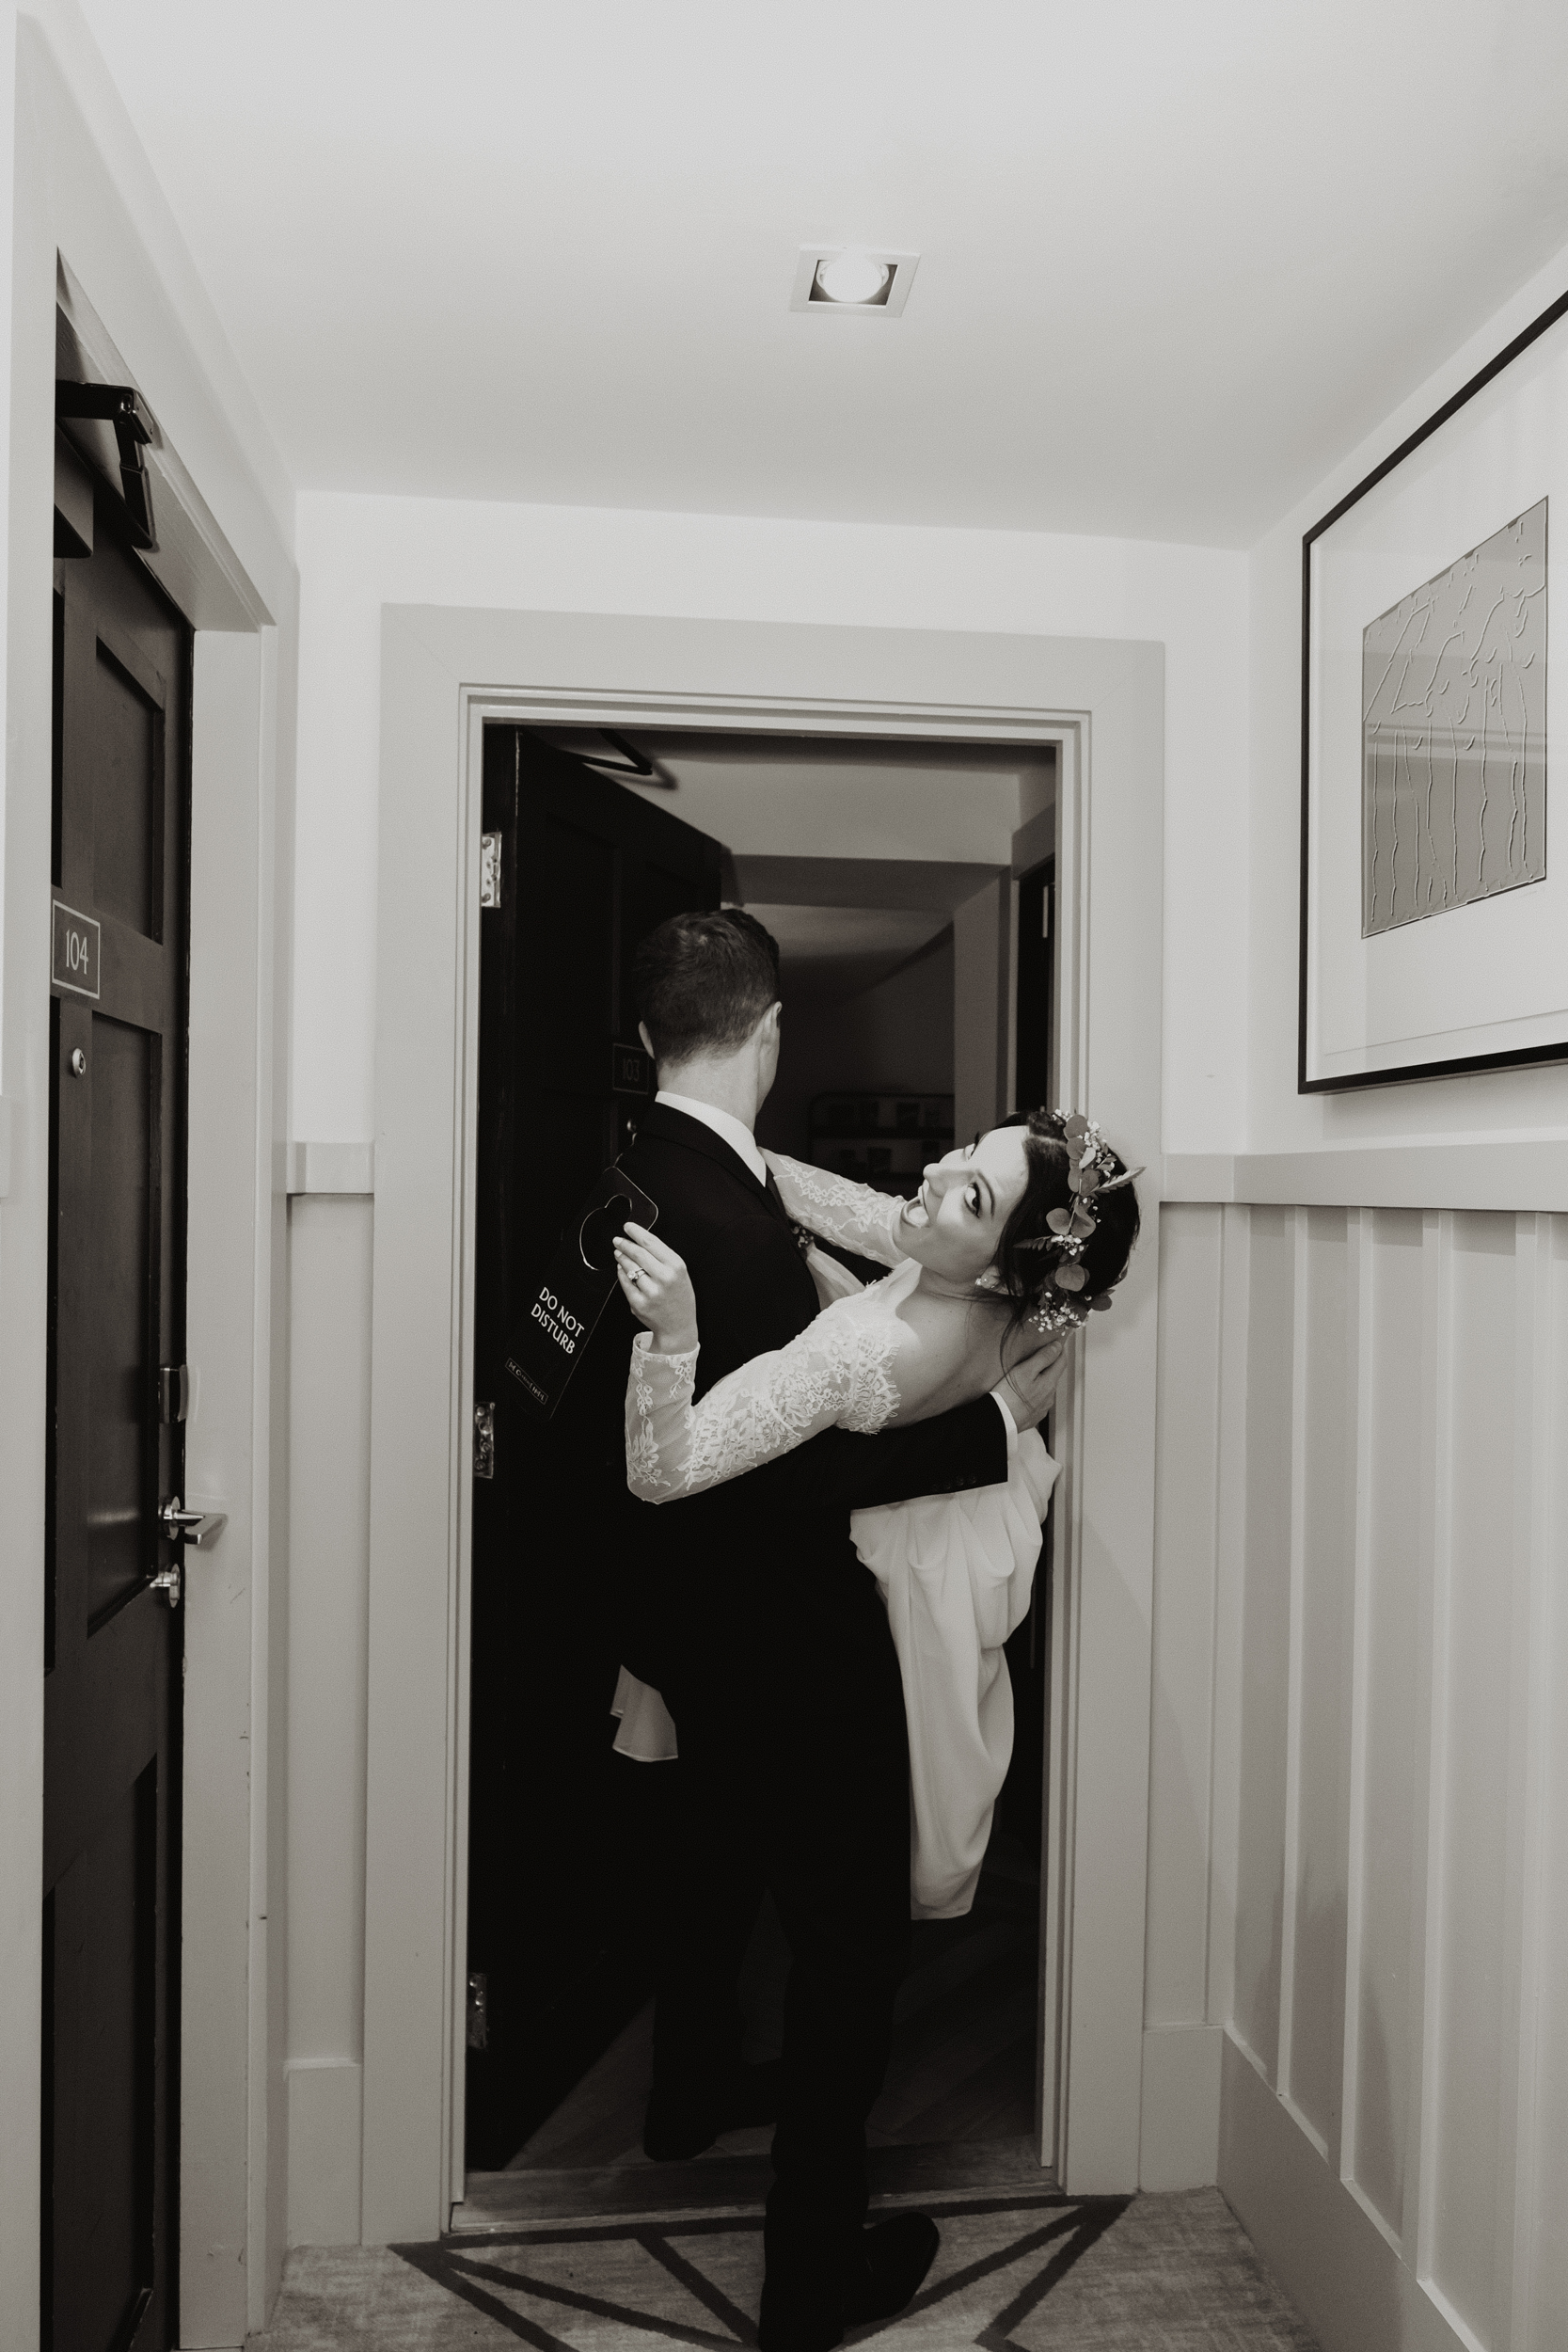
{"points": [[1359, 1763], [895, 1035], [356, 553], [82, 191]]}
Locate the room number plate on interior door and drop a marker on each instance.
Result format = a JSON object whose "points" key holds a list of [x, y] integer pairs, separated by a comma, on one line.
{"points": [[74, 964]]}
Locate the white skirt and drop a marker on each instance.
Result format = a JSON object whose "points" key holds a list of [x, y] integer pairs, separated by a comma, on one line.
{"points": [[957, 1573]]}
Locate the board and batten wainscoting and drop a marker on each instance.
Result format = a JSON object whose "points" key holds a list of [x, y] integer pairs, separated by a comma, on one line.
{"points": [[331, 1233], [1359, 1747]]}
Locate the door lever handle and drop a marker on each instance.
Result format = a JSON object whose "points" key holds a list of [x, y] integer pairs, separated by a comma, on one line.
{"points": [[200, 1529]]}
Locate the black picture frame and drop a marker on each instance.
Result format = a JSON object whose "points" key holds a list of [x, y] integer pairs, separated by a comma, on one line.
{"points": [[1403, 1073]]}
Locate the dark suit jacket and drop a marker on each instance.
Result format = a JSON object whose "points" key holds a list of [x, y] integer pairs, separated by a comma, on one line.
{"points": [[752, 1593]]}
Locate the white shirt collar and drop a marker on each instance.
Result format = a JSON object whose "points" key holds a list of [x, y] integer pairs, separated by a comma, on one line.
{"points": [[725, 1126]]}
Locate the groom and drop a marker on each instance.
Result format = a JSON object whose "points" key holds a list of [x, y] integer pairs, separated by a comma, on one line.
{"points": [[771, 1645]]}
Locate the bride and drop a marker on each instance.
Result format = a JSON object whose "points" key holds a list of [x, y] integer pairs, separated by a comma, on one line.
{"points": [[1026, 1232]]}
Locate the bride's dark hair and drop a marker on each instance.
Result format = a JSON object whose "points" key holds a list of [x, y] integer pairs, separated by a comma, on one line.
{"points": [[1032, 1249]]}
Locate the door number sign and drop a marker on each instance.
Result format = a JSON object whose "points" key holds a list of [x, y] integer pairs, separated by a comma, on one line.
{"points": [[75, 961]]}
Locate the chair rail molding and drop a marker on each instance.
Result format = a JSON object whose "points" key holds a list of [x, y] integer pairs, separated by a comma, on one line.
{"points": [[1526, 1174], [327, 1167]]}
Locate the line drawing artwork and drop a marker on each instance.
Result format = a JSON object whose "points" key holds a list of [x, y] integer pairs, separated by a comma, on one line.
{"points": [[1453, 732]]}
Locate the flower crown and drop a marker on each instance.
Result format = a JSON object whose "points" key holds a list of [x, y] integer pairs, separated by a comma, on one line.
{"points": [[1092, 1172]]}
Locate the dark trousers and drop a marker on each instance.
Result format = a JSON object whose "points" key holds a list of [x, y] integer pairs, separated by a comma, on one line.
{"points": [[813, 1807]]}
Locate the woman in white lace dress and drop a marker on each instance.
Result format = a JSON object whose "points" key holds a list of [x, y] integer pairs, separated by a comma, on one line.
{"points": [[1025, 1231]]}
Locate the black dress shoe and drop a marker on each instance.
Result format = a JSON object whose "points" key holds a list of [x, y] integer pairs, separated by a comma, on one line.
{"points": [[674, 2131], [897, 2254], [894, 2259]]}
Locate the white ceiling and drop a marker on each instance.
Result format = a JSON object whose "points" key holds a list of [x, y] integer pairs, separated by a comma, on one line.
{"points": [[1175, 259], [827, 953], [858, 798]]}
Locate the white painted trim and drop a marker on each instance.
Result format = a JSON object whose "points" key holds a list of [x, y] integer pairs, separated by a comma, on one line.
{"points": [[328, 1168], [1337, 2267], [1541, 1960], [1435, 1542], [325, 2125], [1296, 1227], [1362, 1237], [7, 1113], [1180, 2134], [1530, 1963], [224, 1894], [1229, 1678], [442, 671], [1530, 1174]]}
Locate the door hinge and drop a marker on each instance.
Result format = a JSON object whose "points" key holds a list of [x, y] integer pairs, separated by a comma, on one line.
{"points": [[478, 2013], [485, 1440], [490, 869]]}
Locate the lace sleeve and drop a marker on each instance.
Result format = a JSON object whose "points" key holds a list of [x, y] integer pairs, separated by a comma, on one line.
{"points": [[839, 1373], [857, 1216]]}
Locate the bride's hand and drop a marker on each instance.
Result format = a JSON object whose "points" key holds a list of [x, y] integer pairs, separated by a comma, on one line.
{"points": [[1031, 1383], [658, 1289]]}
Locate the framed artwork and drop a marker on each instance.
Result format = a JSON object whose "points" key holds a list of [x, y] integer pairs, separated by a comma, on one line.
{"points": [[1434, 873]]}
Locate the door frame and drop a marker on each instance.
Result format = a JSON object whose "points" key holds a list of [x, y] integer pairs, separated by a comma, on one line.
{"points": [[445, 671], [79, 244]]}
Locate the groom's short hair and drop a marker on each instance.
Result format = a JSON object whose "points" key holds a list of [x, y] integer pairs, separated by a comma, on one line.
{"points": [[703, 981]]}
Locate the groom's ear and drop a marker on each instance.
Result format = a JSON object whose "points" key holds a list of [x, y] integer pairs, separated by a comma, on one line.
{"points": [[647, 1040], [765, 1034]]}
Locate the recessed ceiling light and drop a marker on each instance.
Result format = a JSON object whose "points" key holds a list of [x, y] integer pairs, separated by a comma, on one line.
{"points": [[852, 277]]}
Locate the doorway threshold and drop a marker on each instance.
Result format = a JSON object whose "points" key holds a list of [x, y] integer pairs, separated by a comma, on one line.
{"points": [[736, 2183]]}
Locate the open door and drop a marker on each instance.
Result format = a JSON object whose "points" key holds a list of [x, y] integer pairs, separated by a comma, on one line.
{"points": [[578, 870]]}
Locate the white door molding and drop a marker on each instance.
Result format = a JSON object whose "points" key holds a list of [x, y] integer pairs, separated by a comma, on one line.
{"points": [[444, 671]]}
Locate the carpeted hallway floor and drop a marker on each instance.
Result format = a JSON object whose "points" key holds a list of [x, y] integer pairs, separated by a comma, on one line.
{"points": [[1016, 2273]]}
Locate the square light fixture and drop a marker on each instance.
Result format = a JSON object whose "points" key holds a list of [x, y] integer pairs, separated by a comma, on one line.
{"points": [[865, 279]]}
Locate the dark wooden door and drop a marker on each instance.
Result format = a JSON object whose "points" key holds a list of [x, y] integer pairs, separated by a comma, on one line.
{"points": [[557, 1890], [117, 1285]]}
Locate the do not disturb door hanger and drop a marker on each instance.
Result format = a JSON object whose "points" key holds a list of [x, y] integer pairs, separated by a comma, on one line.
{"points": [[553, 1336]]}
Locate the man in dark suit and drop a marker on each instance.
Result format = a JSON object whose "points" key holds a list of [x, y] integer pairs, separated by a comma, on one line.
{"points": [[750, 1611]]}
